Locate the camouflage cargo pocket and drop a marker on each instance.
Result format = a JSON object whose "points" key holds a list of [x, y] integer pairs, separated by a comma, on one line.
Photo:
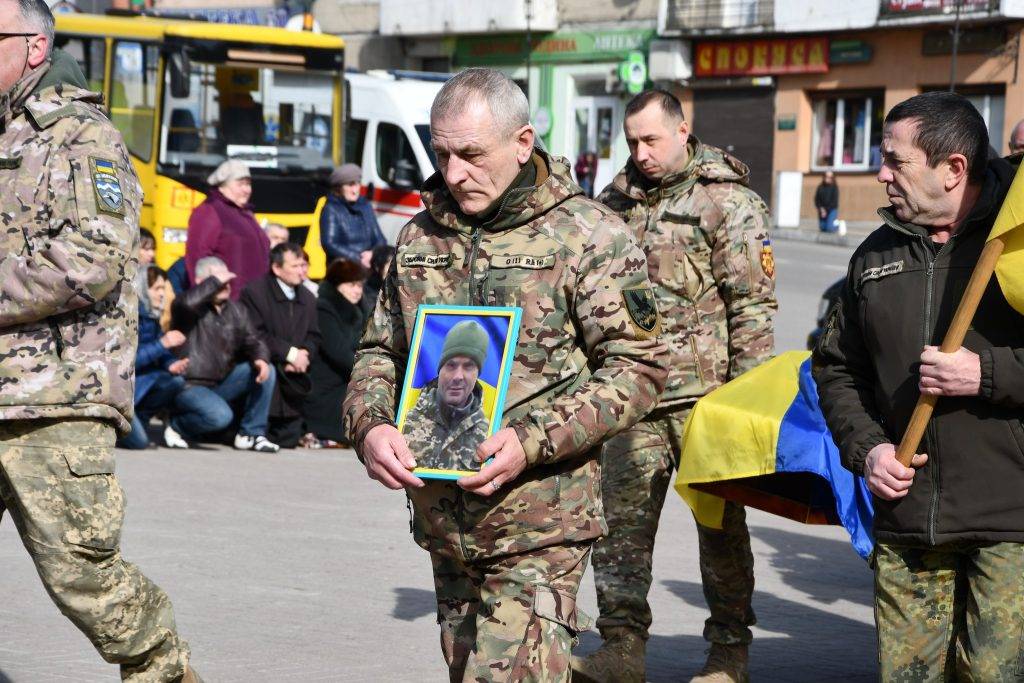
{"points": [[95, 501], [550, 636]]}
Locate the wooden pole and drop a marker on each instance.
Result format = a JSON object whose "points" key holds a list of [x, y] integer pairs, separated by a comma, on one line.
{"points": [[953, 340]]}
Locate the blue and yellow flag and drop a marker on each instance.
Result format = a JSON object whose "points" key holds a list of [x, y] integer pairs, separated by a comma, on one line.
{"points": [[1010, 226], [763, 423]]}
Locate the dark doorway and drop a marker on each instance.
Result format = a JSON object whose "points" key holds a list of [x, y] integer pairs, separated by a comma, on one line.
{"points": [[740, 121]]}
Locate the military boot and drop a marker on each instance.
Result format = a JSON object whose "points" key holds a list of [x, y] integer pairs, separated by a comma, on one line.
{"points": [[726, 664], [619, 660]]}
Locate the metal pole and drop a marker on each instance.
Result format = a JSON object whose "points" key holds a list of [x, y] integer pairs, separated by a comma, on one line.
{"points": [[956, 48], [529, 45]]}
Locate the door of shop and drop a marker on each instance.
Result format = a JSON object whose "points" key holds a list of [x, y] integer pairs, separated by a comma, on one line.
{"points": [[597, 119], [740, 121]]}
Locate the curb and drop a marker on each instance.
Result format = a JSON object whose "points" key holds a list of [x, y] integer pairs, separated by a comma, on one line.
{"points": [[798, 235]]}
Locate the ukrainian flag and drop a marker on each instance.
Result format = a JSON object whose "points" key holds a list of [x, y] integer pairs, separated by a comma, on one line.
{"points": [[761, 440], [1008, 227]]}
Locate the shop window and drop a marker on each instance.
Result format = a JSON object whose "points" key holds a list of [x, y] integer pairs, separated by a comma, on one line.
{"points": [[847, 132], [133, 95], [396, 161], [990, 101]]}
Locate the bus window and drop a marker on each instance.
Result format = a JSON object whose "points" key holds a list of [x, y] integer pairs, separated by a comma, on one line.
{"points": [[90, 53], [396, 160], [133, 95], [355, 139], [269, 118]]}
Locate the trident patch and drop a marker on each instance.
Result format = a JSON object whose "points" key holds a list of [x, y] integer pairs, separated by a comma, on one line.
{"points": [[109, 197], [643, 311], [767, 259]]}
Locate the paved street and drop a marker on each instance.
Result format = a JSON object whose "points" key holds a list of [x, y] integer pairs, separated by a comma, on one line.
{"points": [[296, 567]]}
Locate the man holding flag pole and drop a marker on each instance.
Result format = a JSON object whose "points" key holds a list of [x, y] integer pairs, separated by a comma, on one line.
{"points": [[949, 515]]}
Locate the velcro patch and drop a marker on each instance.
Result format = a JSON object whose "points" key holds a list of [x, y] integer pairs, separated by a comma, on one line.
{"points": [[768, 259], [109, 196], [427, 260], [643, 311], [10, 163], [879, 272], [523, 261]]}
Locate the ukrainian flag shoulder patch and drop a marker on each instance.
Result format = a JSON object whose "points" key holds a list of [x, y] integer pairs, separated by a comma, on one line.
{"points": [[107, 187]]}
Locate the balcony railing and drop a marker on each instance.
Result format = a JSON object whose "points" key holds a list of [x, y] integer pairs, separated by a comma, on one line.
{"points": [[716, 16]]}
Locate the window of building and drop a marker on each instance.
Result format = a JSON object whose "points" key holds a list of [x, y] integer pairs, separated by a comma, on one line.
{"points": [[396, 160], [355, 138], [847, 132], [133, 95], [990, 101]]}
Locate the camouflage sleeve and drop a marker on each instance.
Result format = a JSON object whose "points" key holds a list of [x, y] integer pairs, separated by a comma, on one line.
{"points": [[372, 395], [617, 321], [94, 200], [743, 265]]}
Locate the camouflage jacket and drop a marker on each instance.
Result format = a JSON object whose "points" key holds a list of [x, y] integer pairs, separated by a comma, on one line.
{"points": [[70, 205], [588, 363], [705, 234], [441, 445]]}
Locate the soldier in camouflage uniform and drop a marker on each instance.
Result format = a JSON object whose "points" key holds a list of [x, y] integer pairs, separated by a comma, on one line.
{"points": [[70, 206], [506, 226], [705, 234], [447, 423]]}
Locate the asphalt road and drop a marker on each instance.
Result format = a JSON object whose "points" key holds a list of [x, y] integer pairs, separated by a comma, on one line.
{"points": [[296, 567]]}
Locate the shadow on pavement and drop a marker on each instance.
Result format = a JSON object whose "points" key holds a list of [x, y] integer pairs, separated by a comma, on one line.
{"points": [[411, 604], [826, 569]]}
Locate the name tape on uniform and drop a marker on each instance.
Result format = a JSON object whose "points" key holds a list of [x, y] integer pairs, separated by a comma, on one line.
{"points": [[427, 260], [523, 261]]}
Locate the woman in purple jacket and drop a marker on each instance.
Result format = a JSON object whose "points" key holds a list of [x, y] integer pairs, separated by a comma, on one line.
{"points": [[224, 226]]}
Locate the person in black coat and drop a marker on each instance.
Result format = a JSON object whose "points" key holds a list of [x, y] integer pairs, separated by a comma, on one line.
{"points": [[341, 317], [380, 261], [284, 313]]}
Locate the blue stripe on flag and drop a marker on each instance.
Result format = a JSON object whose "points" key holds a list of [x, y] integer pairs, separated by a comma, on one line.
{"points": [[805, 445]]}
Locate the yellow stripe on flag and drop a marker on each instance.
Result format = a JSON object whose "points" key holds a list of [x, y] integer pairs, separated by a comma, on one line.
{"points": [[1010, 266], [733, 432]]}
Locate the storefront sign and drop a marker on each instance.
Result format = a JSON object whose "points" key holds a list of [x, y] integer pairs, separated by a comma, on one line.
{"points": [[849, 52], [902, 8], [786, 122], [575, 46], [762, 57]]}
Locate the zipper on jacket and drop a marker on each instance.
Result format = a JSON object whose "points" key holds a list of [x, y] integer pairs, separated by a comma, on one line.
{"points": [[477, 236], [933, 503], [696, 360]]}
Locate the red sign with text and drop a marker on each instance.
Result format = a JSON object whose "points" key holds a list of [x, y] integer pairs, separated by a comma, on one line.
{"points": [[761, 57]]}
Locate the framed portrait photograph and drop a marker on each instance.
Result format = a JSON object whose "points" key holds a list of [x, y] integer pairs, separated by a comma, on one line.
{"points": [[452, 399]]}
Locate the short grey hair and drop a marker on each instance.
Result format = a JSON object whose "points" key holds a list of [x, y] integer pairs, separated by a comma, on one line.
{"points": [[207, 264], [38, 17], [506, 100]]}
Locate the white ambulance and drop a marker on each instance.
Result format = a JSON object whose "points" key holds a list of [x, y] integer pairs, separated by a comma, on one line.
{"points": [[388, 135]]}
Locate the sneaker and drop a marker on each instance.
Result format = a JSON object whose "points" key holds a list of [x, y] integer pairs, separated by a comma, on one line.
{"points": [[173, 439], [264, 445], [244, 442]]}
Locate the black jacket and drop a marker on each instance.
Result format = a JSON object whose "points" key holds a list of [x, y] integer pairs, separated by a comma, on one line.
{"points": [[900, 294], [347, 229], [283, 323], [341, 324], [826, 197], [216, 341]]}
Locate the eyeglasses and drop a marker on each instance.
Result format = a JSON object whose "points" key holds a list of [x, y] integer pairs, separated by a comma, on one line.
{"points": [[18, 35]]}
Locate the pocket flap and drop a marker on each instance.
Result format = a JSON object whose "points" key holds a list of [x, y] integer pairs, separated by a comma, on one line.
{"points": [[83, 461], [560, 607]]}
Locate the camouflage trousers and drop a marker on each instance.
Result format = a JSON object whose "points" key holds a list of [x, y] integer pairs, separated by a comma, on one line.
{"points": [[636, 470], [511, 618], [950, 612], [57, 481]]}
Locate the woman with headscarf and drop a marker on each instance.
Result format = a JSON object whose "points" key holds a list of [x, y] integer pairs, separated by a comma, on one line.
{"points": [[224, 226]]}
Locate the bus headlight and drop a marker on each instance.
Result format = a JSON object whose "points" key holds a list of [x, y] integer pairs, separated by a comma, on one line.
{"points": [[175, 235]]}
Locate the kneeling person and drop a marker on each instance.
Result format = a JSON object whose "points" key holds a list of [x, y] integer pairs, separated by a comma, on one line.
{"points": [[219, 331]]}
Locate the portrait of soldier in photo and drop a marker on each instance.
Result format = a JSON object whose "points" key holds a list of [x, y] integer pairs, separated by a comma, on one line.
{"points": [[448, 422]]}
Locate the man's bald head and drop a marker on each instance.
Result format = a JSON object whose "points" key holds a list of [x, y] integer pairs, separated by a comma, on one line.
{"points": [[1017, 138]]}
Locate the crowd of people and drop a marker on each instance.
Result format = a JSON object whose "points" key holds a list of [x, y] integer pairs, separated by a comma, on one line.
{"points": [[236, 343]]}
